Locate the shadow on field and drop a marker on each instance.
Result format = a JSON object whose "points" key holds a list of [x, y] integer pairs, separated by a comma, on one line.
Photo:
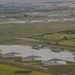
{"points": [[23, 72]]}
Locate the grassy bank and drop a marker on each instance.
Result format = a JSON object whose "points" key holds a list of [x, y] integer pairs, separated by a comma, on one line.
{"points": [[10, 70]]}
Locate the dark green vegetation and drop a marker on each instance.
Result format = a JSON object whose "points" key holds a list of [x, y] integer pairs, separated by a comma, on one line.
{"points": [[62, 69], [66, 38], [11, 70], [52, 69], [15, 59], [19, 59]]}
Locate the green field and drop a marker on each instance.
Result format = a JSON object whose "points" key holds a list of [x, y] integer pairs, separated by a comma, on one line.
{"points": [[59, 38], [9, 32], [62, 69], [52, 70], [48, 34], [10, 70], [12, 34], [68, 43]]}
